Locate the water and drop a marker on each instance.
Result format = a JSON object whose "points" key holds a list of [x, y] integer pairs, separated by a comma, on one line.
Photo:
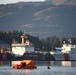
{"points": [[57, 68]]}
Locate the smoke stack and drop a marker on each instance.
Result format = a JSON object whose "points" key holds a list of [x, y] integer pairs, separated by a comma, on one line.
{"points": [[23, 38]]}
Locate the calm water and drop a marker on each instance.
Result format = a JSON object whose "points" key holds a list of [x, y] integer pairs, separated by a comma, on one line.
{"points": [[57, 68]]}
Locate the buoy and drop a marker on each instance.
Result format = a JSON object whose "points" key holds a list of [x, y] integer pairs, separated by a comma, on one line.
{"points": [[48, 67]]}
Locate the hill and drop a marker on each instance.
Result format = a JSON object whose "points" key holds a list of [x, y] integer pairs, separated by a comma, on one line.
{"points": [[41, 19]]}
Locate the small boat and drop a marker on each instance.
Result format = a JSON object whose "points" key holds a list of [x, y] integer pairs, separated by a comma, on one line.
{"points": [[26, 64]]}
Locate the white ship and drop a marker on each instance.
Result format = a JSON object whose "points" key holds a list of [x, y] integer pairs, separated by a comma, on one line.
{"points": [[72, 53], [18, 49], [68, 52]]}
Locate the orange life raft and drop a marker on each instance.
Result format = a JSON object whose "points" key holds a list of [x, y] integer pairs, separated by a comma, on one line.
{"points": [[25, 64]]}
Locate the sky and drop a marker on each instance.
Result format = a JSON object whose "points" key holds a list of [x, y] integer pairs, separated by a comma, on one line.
{"points": [[14, 1]]}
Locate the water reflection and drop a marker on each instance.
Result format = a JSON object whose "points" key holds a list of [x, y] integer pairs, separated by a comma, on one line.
{"points": [[57, 68], [57, 63], [15, 62], [67, 63], [27, 72], [5, 63], [42, 63]]}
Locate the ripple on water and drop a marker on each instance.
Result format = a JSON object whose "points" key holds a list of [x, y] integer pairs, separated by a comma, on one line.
{"points": [[41, 70]]}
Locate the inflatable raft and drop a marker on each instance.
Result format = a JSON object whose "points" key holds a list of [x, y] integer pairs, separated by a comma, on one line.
{"points": [[25, 64]]}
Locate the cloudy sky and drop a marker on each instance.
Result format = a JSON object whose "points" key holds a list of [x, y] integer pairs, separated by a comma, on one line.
{"points": [[14, 1]]}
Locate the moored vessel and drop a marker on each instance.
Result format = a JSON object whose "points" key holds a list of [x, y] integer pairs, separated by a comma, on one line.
{"points": [[26, 50], [67, 52]]}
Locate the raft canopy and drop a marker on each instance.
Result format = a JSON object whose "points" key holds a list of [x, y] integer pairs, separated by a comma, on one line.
{"points": [[28, 61]]}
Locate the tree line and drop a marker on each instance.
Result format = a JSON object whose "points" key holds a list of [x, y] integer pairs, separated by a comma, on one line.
{"points": [[45, 44]]}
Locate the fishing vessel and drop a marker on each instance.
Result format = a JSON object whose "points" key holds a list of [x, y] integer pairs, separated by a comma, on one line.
{"points": [[67, 52]]}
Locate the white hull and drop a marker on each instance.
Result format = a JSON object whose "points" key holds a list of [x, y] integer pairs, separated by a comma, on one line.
{"points": [[68, 52], [61, 56], [72, 56], [58, 56]]}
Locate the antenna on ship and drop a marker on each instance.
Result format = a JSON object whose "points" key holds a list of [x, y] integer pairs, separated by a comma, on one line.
{"points": [[70, 41]]}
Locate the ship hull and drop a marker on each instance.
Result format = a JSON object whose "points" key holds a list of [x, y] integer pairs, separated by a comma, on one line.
{"points": [[30, 56], [72, 56], [63, 57], [59, 56]]}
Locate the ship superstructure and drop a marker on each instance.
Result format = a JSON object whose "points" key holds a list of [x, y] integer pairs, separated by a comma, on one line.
{"points": [[18, 49]]}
